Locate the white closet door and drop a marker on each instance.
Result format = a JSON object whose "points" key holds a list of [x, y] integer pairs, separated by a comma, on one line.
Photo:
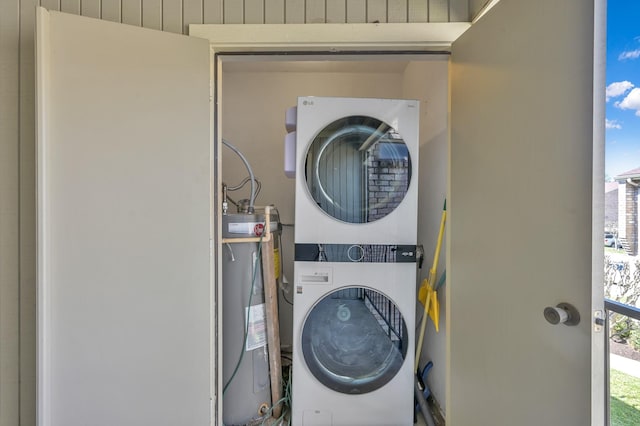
{"points": [[526, 141], [124, 326]]}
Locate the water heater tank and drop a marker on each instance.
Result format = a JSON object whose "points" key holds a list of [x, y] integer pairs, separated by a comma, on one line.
{"points": [[247, 392]]}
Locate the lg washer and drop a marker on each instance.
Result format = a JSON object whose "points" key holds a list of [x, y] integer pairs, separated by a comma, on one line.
{"points": [[353, 344], [355, 253]]}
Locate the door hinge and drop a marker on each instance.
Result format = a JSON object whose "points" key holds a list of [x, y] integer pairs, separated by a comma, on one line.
{"points": [[598, 321]]}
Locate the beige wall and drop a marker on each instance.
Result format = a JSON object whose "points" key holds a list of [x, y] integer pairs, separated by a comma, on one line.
{"points": [[17, 134], [428, 82]]}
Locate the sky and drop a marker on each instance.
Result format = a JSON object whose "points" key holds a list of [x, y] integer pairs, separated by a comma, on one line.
{"points": [[623, 87]]}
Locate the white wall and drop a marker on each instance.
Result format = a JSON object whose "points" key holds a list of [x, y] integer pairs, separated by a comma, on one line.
{"points": [[428, 82], [253, 119]]}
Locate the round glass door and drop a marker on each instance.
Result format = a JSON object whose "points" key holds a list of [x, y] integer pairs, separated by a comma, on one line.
{"points": [[358, 169], [354, 340]]}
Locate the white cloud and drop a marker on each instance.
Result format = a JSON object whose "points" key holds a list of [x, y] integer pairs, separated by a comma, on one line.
{"points": [[631, 101], [612, 124], [629, 54], [618, 88]]}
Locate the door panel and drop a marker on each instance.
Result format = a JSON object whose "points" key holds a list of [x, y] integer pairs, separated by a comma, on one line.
{"points": [[123, 224], [520, 220]]}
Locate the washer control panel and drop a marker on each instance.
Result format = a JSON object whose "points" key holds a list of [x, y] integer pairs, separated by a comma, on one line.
{"points": [[358, 253]]}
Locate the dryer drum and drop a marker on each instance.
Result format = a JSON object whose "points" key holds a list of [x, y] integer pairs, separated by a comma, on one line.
{"points": [[354, 340], [358, 169]]}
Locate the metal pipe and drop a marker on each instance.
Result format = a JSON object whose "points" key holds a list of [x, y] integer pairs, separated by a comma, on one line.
{"points": [[252, 198], [422, 403]]}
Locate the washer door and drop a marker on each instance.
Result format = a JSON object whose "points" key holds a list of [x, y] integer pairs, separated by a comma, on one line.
{"points": [[354, 340], [358, 169]]}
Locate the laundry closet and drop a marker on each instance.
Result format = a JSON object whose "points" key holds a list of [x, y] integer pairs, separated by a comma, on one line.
{"points": [[130, 129], [256, 93]]}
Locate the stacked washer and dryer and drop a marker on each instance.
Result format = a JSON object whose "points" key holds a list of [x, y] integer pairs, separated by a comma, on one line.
{"points": [[356, 165]]}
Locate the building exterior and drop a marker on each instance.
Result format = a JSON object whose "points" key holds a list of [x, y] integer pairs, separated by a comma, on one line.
{"points": [[628, 183], [611, 207]]}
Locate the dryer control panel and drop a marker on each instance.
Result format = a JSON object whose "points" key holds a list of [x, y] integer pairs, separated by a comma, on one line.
{"points": [[359, 253]]}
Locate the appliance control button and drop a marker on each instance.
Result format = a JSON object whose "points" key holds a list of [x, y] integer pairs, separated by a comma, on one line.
{"points": [[355, 253]]}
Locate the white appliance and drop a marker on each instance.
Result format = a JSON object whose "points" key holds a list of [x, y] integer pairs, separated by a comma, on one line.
{"points": [[356, 171], [353, 349], [355, 254]]}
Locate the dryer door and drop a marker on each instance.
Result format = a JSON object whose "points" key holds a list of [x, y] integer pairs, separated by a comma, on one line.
{"points": [[358, 169], [354, 340]]}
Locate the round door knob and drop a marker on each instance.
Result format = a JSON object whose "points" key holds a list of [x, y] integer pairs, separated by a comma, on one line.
{"points": [[563, 313]]}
